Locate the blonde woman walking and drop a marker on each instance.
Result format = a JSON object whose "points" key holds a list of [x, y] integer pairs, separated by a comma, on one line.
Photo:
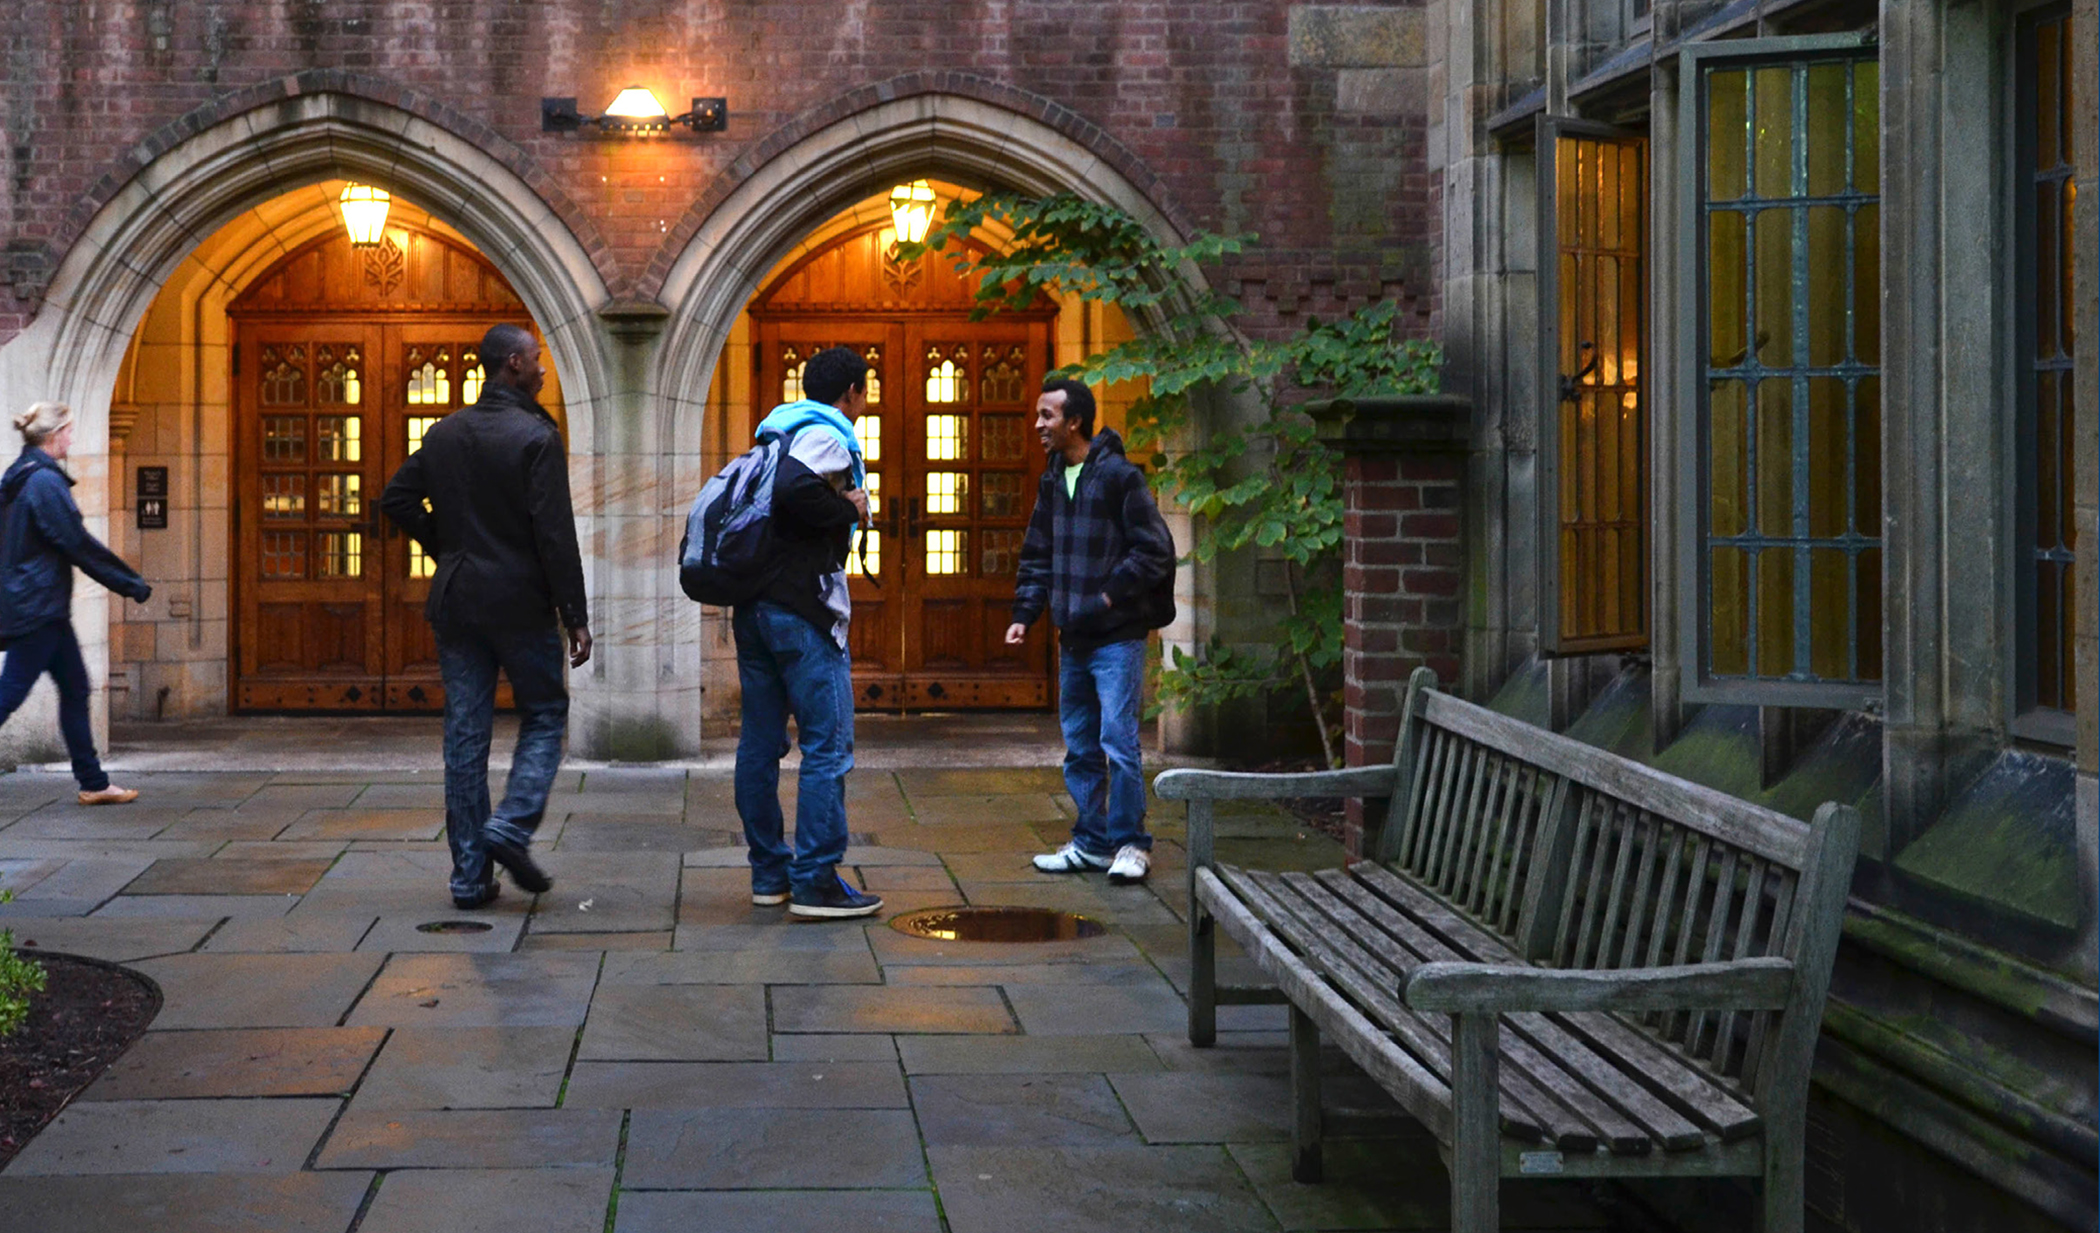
{"points": [[41, 539]]}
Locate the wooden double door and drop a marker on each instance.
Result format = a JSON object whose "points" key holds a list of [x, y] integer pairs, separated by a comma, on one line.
{"points": [[329, 594], [953, 466]]}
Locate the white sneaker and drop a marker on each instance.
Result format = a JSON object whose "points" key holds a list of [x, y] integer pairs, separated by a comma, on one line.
{"points": [[1069, 859], [1132, 863]]}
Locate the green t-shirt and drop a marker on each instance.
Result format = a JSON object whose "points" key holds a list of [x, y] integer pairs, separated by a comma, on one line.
{"points": [[1072, 480]]}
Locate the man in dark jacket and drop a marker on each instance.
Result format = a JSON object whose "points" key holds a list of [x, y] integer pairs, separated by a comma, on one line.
{"points": [[1099, 557], [42, 538], [791, 653], [487, 496]]}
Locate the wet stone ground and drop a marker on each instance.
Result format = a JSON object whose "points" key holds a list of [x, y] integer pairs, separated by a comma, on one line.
{"points": [[641, 1050]]}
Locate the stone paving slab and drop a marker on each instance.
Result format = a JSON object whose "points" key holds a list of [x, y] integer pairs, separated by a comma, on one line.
{"points": [[1018, 1110], [736, 1085], [239, 1062], [968, 781], [93, 879], [1084, 1010], [859, 855], [778, 1211], [294, 933], [979, 1055], [225, 824], [1128, 975], [169, 907], [855, 1008], [773, 1149], [772, 967], [587, 833], [538, 990], [224, 991], [883, 879], [676, 1023], [1131, 1189], [894, 947], [836, 1048], [285, 850], [962, 837], [490, 1201], [119, 941], [177, 1136], [834, 937], [473, 1139], [1180, 1107], [423, 824], [467, 1068], [223, 1203], [228, 877], [607, 942], [980, 809], [608, 892]]}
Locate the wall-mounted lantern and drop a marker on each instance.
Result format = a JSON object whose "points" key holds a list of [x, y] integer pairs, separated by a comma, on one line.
{"points": [[911, 211], [364, 214], [635, 113]]}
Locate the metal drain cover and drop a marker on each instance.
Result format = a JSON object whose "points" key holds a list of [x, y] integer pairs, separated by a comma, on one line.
{"points": [[995, 924], [455, 926]]}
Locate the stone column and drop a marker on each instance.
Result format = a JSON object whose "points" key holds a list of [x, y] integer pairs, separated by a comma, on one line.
{"points": [[1403, 564]]}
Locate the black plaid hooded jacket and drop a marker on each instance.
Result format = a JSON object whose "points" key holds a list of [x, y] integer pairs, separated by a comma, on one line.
{"points": [[1107, 538]]}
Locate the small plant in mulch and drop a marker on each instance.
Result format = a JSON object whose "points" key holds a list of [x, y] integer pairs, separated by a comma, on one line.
{"points": [[19, 978]]}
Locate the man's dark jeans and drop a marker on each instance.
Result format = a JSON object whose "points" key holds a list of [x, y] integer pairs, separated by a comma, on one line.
{"points": [[537, 664], [786, 664], [54, 649]]}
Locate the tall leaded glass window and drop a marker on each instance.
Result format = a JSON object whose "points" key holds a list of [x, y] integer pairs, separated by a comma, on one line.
{"points": [[2046, 433], [1785, 274]]}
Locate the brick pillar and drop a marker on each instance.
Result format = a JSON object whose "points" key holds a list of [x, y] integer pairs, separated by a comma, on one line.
{"points": [[1403, 564]]}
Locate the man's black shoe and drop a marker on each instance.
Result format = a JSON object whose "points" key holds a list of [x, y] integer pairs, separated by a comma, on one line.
{"points": [[480, 899], [832, 899], [518, 862]]}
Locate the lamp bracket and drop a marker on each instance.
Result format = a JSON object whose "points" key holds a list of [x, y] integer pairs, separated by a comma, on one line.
{"points": [[559, 115]]}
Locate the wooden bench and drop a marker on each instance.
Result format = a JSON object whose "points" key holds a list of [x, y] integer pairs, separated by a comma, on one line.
{"points": [[1563, 963]]}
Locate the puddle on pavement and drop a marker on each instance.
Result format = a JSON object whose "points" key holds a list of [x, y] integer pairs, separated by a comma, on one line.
{"points": [[995, 924], [455, 926]]}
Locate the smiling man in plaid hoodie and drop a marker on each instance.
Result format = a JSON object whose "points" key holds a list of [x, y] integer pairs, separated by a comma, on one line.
{"points": [[1099, 557]]}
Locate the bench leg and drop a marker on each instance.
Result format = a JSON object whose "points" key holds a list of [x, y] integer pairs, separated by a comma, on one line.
{"points": [[1306, 1164], [1476, 1139], [1203, 977], [1783, 1197]]}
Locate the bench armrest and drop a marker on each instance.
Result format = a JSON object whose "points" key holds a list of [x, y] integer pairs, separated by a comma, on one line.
{"points": [[1488, 988], [1360, 781]]}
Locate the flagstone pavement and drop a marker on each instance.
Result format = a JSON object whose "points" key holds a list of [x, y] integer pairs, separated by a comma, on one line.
{"points": [[641, 1050]]}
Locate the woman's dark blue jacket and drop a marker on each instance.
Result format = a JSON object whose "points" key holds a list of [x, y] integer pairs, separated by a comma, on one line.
{"points": [[41, 540]]}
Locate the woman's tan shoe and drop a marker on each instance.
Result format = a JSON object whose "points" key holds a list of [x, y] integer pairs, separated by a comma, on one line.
{"points": [[111, 795]]}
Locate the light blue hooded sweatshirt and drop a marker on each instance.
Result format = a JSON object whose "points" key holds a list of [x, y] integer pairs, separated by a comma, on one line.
{"points": [[790, 417]]}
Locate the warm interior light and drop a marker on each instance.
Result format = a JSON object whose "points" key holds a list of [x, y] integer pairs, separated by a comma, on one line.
{"points": [[911, 209], [637, 108], [364, 214]]}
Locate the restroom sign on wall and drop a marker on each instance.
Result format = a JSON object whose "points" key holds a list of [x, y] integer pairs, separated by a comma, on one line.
{"points": [[153, 498]]}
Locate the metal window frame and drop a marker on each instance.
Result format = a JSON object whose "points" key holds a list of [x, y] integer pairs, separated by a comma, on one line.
{"points": [[1694, 492], [1547, 129], [2029, 721]]}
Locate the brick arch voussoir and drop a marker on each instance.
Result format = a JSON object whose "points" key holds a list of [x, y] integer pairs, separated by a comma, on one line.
{"points": [[1067, 122], [365, 88]]}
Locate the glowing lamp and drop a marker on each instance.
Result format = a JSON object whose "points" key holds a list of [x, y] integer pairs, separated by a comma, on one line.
{"points": [[636, 111], [364, 214], [911, 211]]}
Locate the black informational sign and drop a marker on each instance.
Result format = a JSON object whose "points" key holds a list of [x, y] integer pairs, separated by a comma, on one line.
{"points": [[153, 498]]}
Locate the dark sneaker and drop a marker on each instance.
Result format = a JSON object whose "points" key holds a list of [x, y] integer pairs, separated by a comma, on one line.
{"points": [[482, 898], [518, 862], [832, 900]]}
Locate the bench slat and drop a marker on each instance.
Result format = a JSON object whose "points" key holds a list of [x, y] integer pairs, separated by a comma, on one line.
{"points": [[1421, 1093], [1606, 1077], [1529, 1111], [1734, 821], [1688, 1087], [1553, 1071]]}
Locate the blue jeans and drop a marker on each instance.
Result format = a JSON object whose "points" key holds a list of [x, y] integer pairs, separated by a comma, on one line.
{"points": [[55, 650], [1099, 694], [789, 666], [536, 661]]}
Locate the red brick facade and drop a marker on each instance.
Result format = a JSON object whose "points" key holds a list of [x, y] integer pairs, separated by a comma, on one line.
{"points": [[1196, 102]]}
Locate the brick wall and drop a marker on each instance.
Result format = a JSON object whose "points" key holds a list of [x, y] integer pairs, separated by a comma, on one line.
{"points": [[1247, 123]]}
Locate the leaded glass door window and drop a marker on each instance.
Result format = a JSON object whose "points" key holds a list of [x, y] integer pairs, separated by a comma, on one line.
{"points": [[1593, 441], [1783, 371]]}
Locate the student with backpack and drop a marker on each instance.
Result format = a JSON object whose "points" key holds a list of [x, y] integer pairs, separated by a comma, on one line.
{"points": [[791, 612]]}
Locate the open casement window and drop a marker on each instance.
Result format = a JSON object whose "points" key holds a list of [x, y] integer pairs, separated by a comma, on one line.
{"points": [[2045, 428], [1782, 371], [1593, 444]]}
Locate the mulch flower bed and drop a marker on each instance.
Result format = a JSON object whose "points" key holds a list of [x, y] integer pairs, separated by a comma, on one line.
{"points": [[87, 1015], [1325, 814]]}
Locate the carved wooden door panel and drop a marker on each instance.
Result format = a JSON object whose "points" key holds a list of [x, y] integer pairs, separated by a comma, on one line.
{"points": [[311, 595], [971, 469]]}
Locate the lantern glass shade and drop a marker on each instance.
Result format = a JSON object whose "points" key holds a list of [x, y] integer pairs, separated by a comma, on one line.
{"points": [[911, 210], [637, 107], [364, 214]]}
